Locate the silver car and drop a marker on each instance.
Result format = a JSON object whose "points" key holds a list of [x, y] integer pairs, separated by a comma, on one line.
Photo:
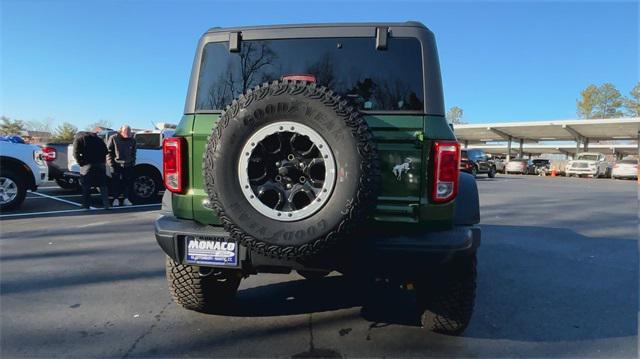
{"points": [[520, 166], [627, 168]]}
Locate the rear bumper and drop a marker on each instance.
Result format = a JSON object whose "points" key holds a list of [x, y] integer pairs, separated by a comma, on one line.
{"points": [[70, 177], [395, 254], [581, 171], [70, 174], [625, 174], [40, 174]]}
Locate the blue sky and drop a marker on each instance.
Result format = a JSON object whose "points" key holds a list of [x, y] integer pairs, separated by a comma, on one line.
{"points": [[130, 61]]}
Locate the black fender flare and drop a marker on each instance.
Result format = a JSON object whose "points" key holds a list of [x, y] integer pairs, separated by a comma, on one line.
{"points": [[467, 204]]}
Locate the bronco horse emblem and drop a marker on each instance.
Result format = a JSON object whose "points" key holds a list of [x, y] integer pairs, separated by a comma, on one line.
{"points": [[398, 170]]}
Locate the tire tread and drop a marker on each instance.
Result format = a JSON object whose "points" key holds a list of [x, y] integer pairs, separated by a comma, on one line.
{"points": [[447, 304], [194, 292], [369, 180]]}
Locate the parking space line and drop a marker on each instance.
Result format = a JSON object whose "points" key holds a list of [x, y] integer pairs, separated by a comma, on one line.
{"points": [[57, 199], [64, 196], [133, 206], [51, 189], [38, 213], [77, 210]]}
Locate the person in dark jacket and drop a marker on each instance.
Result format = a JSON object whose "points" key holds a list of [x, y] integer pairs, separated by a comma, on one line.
{"points": [[121, 158], [91, 153]]}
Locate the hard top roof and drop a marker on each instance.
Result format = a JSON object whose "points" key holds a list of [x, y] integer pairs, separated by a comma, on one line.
{"points": [[319, 25]]}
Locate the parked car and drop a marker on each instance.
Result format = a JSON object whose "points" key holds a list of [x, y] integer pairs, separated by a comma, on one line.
{"points": [[626, 168], [499, 162], [475, 161], [55, 156], [147, 180], [518, 165], [22, 168], [590, 164], [539, 166]]}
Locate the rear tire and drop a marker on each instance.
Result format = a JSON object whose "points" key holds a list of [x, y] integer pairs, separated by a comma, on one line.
{"points": [[446, 299], [67, 186], [492, 172], [201, 289], [145, 185], [13, 189]]}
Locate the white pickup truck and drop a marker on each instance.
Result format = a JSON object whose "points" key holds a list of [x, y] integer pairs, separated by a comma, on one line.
{"points": [[148, 169], [590, 164], [22, 168]]}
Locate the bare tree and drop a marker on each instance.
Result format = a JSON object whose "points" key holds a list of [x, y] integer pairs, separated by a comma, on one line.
{"points": [[391, 95], [99, 124], [223, 90], [323, 71], [455, 114], [253, 60], [45, 125], [254, 57]]}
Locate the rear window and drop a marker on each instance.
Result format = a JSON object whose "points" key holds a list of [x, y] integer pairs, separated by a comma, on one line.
{"points": [[587, 157], [476, 154], [370, 79], [147, 140]]}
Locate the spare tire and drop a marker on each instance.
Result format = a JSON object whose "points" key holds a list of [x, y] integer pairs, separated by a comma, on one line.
{"points": [[290, 168]]}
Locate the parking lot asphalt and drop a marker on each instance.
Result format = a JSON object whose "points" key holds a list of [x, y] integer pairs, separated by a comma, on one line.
{"points": [[558, 276], [51, 200]]}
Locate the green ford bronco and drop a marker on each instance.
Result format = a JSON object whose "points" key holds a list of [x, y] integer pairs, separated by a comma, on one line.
{"points": [[319, 148]]}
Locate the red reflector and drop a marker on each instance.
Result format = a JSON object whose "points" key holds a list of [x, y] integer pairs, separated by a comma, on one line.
{"points": [[172, 164], [301, 77], [49, 154], [446, 164]]}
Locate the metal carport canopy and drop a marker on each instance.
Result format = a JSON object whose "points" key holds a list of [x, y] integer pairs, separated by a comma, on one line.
{"points": [[564, 130], [536, 149]]}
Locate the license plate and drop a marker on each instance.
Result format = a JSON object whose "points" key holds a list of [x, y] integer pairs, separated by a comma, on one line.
{"points": [[211, 251]]}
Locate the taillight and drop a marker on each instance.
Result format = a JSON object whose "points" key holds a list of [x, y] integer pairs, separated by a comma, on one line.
{"points": [[49, 154], [172, 164], [446, 164], [38, 156]]}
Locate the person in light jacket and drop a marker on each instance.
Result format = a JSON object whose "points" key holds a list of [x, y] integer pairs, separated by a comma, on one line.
{"points": [[121, 158]]}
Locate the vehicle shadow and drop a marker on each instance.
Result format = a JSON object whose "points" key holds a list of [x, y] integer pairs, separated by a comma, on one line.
{"points": [[379, 303], [534, 284], [500, 177]]}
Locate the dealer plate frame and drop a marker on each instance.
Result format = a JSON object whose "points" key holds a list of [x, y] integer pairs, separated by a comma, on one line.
{"points": [[196, 259]]}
